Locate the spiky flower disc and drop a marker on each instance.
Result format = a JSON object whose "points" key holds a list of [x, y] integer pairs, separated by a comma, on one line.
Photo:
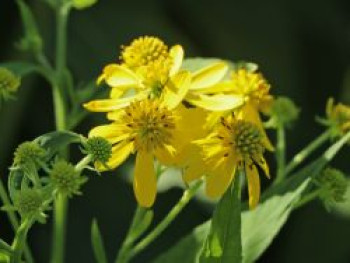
{"points": [[29, 202], [28, 153], [99, 148], [66, 179], [143, 51]]}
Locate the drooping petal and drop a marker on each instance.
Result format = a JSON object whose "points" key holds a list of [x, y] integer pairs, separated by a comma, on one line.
{"points": [[263, 165], [177, 54], [195, 166], [116, 93], [119, 76], [145, 181], [253, 184], [249, 113], [219, 180], [120, 153], [217, 102], [208, 76], [176, 89]]}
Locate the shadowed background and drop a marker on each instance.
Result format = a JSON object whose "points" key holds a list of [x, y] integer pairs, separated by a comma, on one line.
{"points": [[302, 47]]}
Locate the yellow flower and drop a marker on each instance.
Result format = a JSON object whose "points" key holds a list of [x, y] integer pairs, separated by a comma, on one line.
{"points": [[246, 93], [151, 130], [150, 69], [233, 144], [338, 116]]}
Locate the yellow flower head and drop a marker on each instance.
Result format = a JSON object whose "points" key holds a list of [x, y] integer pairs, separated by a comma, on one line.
{"points": [[338, 116], [147, 128], [148, 69], [233, 144], [254, 87], [143, 51]]}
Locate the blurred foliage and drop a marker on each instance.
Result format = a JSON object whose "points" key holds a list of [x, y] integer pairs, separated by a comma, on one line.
{"points": [[303, 48]]}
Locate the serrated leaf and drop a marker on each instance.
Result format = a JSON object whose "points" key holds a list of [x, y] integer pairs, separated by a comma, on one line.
{"points": [[223, 243], [97, 243]]}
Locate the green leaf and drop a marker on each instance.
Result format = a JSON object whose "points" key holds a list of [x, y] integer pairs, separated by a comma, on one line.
{"points": [[53, 142], [97, 243], [261, 225], [20, 68], [223, 243]]}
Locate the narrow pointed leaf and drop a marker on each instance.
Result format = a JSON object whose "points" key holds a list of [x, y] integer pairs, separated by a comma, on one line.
{"points": [[97, 243]]}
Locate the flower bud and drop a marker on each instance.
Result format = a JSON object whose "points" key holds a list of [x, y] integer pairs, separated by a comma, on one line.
{"points": [[283, 111], [338, 117], [28, 153], [9, 84], [99, 148], [29, 202], [66, 179], [333, 185], [82, 4]]}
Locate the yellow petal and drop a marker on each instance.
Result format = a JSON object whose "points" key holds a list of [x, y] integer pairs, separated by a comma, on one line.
{"points": [[119, 76], [107, 105], [108, 131], [253, 185], [219, 180], [145, 181], [177, 54], [221, 87], [263, 165], [116, 93], [217, 102], [195, 165], [176, 89], [120, 153], [209, 75]]}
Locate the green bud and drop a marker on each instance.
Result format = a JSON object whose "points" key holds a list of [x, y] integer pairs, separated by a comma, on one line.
{"points": [[29, 202], [333, 185], [66, 179], [28, 153], [99, 148], [283, 111], [82, 4], [9, 84]]}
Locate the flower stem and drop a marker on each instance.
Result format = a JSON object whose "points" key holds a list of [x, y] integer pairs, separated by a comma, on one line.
{"points": [[60, 207], [280, 154], [308, 198], [19, 241], [303, 154], [13, 220], [83, 163], [186, 197]]}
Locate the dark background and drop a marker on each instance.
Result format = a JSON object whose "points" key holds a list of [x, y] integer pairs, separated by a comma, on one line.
{"points": [[302, 47]]}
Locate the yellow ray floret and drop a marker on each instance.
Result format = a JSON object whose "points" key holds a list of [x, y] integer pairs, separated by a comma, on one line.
{"points": [[149, 129], [233, 144]]}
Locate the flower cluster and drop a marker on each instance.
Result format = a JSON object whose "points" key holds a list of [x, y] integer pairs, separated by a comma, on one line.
{"points": [[206, 122]]}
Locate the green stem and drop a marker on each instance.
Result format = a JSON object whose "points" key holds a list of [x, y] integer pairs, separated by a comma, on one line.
{"points": [[186, 197], [303, 154], [308, 198], [280, 154], [14, 220], [60, 206], [83, 163], [19, 241], [124, 252]]}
